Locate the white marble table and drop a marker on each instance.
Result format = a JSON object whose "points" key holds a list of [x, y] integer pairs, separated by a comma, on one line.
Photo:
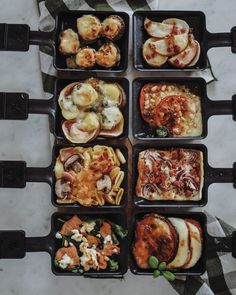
{"points": [[30, 209]]}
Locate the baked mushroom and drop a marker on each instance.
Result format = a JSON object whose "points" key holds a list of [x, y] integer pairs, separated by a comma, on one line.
{"points": [[104, 184], [89, 27], [69, 42], [108, 55], [75, 163], [63, 186], [112, 122], [86, 57], [83, 129], [113, 27], [70, 62]]}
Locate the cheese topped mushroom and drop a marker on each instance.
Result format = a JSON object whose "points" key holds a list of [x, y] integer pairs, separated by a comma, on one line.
{"points": [[89, 27], [86, 57], [108, 55], [113, 27], [69, 42]]}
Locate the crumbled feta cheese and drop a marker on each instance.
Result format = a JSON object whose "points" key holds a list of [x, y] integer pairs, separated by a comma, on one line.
{"points": [[87, 227], [58, 236], [65, 261], [89, 255], [172, 178], [107, 239], [77, 236]]}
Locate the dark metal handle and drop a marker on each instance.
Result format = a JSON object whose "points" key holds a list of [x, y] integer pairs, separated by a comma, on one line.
{"points": [[12, 244], [17, 106], [221, 175], [221, 107], [15, 174], [103, 276], [222, 40], [223, 244], [18, 37], [38, 244]]}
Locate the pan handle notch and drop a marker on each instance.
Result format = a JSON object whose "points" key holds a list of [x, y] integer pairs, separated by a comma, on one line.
{"points": [[18, 37], [222, 40], [15, 174], [221, 107], [17, 106]]}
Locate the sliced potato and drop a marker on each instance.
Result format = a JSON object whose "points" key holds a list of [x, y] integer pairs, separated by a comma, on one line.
{"points": [[196, 58], [156, 29], [179, 26], [171, 45], [183, 59], [150, 54]]}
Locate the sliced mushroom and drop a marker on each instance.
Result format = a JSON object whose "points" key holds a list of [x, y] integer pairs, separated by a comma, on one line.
{"points": [[75, 163], [104, 184], [69, 42], [156, 29], [63, 188]]}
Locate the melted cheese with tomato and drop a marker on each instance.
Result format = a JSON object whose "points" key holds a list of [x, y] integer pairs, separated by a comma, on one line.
{"points": [[174, 174]]}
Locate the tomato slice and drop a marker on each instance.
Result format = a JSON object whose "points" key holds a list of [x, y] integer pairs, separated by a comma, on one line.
{"points": [[169, 111]]}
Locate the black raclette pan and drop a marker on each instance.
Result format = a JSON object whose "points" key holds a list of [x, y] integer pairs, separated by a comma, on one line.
{"points": [[14, 244], [18, 37], [15, 174], [197, 86], [196, 20], [211, 175], [17, 106], [210, 244]]}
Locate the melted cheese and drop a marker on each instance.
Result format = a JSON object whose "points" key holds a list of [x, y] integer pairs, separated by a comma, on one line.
{"points": [[65, 261], [107, 55], [89, 27], [111, 117], [86, 57], [111, 27], [90, 122], [112, 94], [69, 42], [84, 95], [183, 251]]}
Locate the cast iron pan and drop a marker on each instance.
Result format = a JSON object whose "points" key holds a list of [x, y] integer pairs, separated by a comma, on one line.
{"points": [[17, 106], [210, 244], [15, 174], [197, 86], [18, 37], [211, 175], [196, 20], [14, 244]]}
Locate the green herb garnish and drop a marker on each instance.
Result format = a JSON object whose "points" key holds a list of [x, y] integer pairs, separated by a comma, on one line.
{"points": [[113, 265], [119, 230], [160, 269], [161, 131]]}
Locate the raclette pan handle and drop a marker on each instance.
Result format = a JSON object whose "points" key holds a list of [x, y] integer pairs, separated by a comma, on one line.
{"points": [[18, 37], [220, 175], [223, 244], [17, 106], [14, 244], [221, 107], [15, 174], [222, 40]]}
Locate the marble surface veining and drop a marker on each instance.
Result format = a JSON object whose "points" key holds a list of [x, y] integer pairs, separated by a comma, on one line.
{"points": [[30, 208]]}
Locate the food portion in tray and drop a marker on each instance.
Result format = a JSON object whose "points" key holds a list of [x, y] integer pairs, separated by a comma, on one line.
{"points": [[90, 176], [176, 241], [92, 108], [171, 41], [88, 244], [77, 45], [171, 110], [170, 174]]}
